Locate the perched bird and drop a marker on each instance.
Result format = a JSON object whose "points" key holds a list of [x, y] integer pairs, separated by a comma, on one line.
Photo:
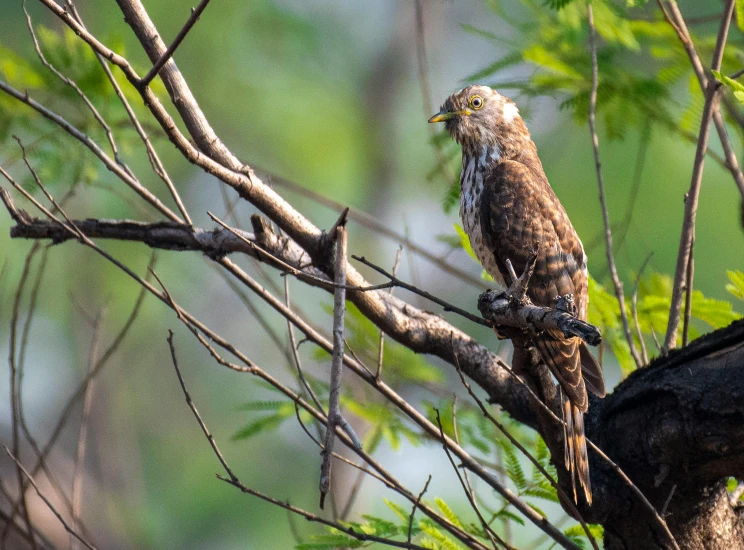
{"points": [[510, 212]]}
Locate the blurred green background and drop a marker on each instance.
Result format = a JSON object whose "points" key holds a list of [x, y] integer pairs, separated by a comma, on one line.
{"points": [[326, 93]]}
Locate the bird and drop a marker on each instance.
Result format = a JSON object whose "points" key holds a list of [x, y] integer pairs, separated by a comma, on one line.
{"points": [[511, 214]]}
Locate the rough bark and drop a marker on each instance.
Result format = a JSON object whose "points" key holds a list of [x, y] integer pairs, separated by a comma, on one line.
{"points": [[676, 425]]}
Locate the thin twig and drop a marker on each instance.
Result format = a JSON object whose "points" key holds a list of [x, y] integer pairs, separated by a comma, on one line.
{"points": [[493, 537], [674, 17], [133, 183], [416, 505], [46, 501], [634, 305], [370, 222], [191, 405], [315, 518], [691, 198], [381, 341], [72, 84], [15, 398], [334, 406], [193, 18], [152, 155], [688, 292], [77, 478], [600, 181], [296, 353]]}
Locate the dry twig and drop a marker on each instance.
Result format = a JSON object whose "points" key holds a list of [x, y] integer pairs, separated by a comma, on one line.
{"points": [[617, 283]]}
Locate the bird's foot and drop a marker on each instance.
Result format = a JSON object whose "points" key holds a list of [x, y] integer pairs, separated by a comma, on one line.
{"points": [[567, 304]]}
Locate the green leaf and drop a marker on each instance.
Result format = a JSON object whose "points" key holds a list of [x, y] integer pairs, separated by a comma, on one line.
{"points": [[514, 469], [540, 56], [447, 512], [258, 426], [380, 527], [543, 493], [503, 63], [465, 241], [399, 511], [557, 4], [736, 286], [597, 531], [428, 527], [731, 83], [740, 14], [504, 513], [330, 542]]}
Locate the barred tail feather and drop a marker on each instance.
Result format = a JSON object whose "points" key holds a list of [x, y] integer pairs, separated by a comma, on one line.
{"points": [[575, 454]]}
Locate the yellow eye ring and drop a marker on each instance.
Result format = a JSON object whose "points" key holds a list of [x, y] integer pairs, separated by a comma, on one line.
{"points": [[476, 102]]}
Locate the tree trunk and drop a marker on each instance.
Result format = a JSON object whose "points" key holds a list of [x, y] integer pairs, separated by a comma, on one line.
{"points": [[676, 428]]}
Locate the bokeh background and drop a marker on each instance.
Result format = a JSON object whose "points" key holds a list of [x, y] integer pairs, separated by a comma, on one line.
{"points": [[328, 94]]}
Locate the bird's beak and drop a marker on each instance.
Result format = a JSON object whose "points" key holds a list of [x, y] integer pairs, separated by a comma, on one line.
{"points": [[445, 115]]}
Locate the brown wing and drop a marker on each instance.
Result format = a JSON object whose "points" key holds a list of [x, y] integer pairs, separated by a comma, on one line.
{"points": [[521, 214]]}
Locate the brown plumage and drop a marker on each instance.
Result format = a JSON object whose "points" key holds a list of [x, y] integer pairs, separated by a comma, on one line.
{"points": [[509, 211]]}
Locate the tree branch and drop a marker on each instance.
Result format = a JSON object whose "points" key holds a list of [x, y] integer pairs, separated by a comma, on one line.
{"points": [[167, 54], [600, 181], [691, 198]]}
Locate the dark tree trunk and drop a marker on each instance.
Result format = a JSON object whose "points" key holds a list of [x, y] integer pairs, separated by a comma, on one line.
{"points": [[676, 428]]}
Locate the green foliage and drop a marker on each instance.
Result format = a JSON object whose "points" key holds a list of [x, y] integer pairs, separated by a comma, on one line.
{"points": [[330, 542], [654, 300], [436, 539], [737, 87], [577, 534], [557, 4], [387, 419], [279, 411], [447, 512], [51, 152], [736, 286], [401, 365], [513, 468]]}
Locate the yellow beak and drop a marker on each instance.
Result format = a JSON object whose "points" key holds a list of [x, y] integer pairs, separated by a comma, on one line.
{"points": [[443, 116]]}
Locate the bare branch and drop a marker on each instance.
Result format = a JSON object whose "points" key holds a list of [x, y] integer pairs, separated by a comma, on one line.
{"points": [[415, 505], [193, 18], [78, 91], [77, 483], [674, 17], [691, 198], [634, 306], [334, 406], [46, 501], [15, 398], [600, 181], [688, 292], [93, 146], [152, 155], [473, 504]]}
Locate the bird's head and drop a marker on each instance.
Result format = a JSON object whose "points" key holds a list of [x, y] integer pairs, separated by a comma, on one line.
{"points": [[477, 115]]}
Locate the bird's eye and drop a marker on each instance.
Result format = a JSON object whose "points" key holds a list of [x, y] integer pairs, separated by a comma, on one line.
{"points": [[476, 102]]}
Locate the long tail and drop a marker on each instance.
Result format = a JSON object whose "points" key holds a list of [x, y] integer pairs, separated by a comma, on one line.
{"points": [[575, 455]]}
